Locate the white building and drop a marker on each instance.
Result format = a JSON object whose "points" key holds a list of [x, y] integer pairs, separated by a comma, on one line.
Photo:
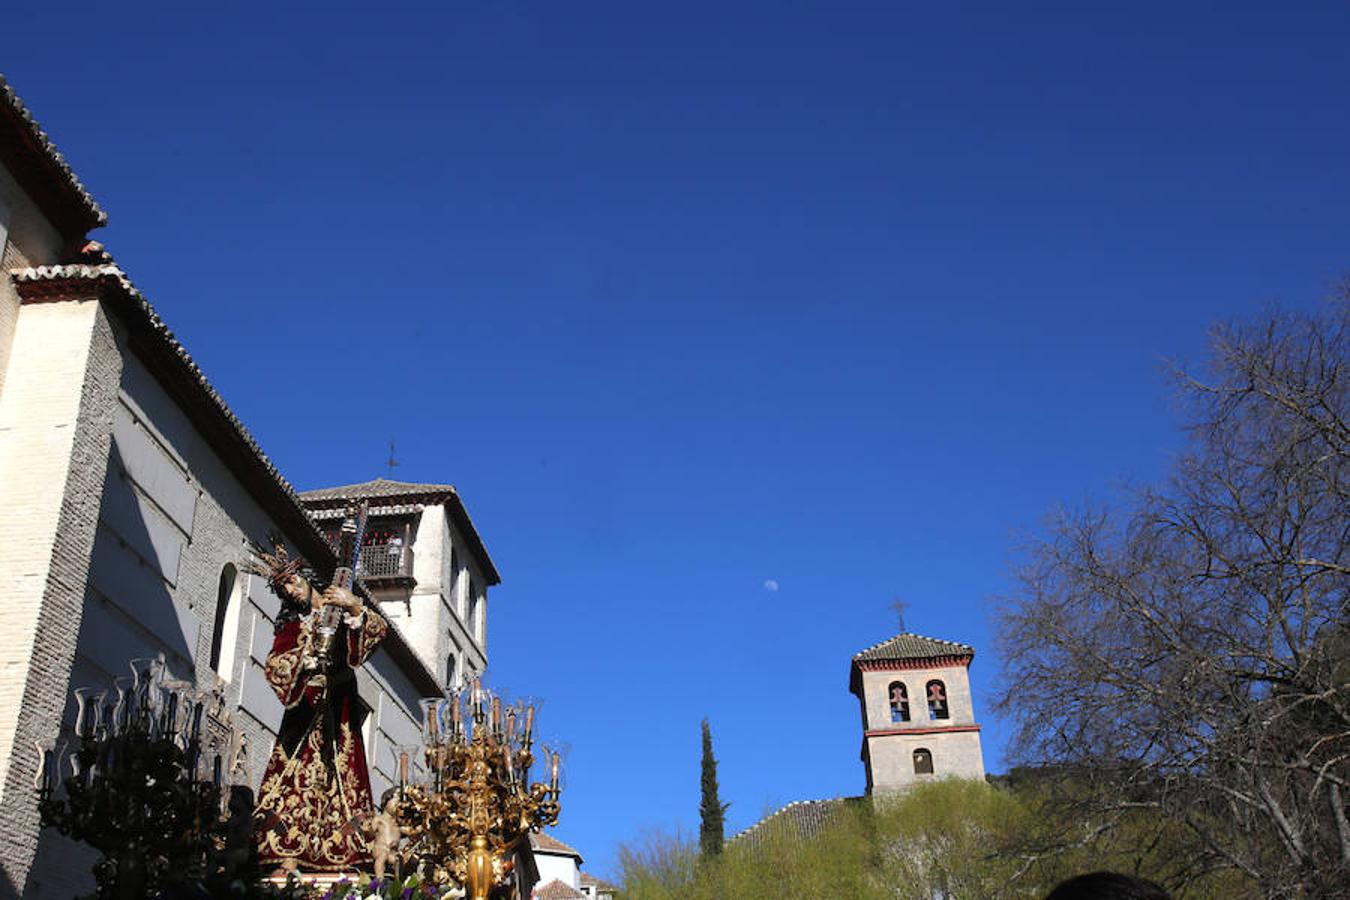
{"points": [[426, 565], [917, 716], [129, 492], [560, 875]]}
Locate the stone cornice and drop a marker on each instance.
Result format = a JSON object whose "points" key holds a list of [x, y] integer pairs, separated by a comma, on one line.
{"points": [[919, 730]]}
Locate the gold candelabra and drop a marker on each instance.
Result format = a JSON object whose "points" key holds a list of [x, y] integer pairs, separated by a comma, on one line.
{"points": [[476, 804]]}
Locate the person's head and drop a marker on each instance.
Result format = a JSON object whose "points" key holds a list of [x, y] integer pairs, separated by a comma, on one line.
{"points": [[300, 592], [1107, 886]]}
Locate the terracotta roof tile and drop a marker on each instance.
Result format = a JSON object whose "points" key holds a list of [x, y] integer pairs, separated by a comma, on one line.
{"points": [[913, 646], [556, 890], [547, 843], [599, 883], [804, 819], [49, 166], [379, 488]]}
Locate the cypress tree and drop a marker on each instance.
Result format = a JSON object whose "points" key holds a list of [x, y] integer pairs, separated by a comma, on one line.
{"points": [[711, 809]]}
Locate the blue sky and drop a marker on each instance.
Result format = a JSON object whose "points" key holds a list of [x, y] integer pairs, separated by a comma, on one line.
{"points": [[687, 298]]}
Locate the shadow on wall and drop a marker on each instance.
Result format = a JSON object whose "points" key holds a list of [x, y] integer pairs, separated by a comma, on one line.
{"points": [[129, 612]]}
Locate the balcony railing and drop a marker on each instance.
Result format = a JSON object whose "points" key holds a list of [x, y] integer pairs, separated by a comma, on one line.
{"points": [[381, 561]]}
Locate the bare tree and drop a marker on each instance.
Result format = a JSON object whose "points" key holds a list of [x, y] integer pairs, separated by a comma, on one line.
{"points": [[1190, 654]]}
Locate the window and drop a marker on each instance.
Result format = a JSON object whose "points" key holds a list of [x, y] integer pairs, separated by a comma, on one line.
{"points": [[455, 602], [364, 722], [923, 762], [451, 669], [899, 702], [471, 619], [937, 700], [226, 632]]}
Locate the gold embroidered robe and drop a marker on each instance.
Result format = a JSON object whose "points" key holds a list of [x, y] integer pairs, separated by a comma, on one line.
{"points": [[316, 788]]}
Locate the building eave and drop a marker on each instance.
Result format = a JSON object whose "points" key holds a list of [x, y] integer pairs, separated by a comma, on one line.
{"points": [[42, 172], [179, 375]]}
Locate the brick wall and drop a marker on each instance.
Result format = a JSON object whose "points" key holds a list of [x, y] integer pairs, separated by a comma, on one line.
{"points": [[55, 432]]}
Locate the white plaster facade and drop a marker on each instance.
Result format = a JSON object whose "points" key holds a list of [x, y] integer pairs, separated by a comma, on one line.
{"points": [[437, 596]]}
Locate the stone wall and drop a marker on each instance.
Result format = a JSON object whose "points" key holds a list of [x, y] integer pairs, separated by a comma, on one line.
{"points": [[954, 742]]}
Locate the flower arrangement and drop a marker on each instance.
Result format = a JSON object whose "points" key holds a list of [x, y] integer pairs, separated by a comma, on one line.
{"points": [[364, 887]]}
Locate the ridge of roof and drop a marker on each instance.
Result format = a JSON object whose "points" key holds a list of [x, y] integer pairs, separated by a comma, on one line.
{"points": [[807, 816], [40, 147], [42, 282], [542, 842], [377, 487], [556, 890], [908, 645]]}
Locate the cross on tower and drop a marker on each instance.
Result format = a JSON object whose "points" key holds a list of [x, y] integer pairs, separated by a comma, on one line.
{"points": [[899, 607]]}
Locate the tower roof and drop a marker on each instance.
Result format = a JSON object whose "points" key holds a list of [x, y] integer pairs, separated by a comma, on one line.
{"points": [[909, 646], [379, 489], [407, 492]]}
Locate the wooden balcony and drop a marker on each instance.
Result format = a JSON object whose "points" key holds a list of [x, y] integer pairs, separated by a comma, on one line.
{"points": [[385, 566]]}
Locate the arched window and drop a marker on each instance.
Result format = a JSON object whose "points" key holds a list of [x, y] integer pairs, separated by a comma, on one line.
{"points": [[223, 638], [899, 702], [923, 762], [937, 700], [451, 665], [471, 619]]}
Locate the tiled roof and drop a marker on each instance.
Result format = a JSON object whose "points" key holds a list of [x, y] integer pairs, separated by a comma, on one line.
{"points": [[379, 488], [46, 281], [547, 843], [338, 512], [407, 492], [42, 170], [186, 382], [556, 890], [803, 819], [599, 883], [913, 646]]}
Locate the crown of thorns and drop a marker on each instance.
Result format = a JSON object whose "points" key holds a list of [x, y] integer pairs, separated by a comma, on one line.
{"points": [[276, 565]]}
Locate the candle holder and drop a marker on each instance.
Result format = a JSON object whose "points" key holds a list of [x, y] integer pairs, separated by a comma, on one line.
{"points": [[477, 805], [156, 784]]}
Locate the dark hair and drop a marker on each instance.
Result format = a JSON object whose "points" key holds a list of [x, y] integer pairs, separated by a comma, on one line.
{"points": [[292, 610], [1107, 886]]}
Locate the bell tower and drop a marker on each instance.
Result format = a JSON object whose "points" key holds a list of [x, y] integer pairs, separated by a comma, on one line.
{"points": [[918, 721]]}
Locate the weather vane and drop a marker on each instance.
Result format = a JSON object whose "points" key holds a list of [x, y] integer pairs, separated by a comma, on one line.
{"points": [[899, 607]]}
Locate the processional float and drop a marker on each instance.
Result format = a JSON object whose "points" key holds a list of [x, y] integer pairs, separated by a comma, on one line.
{"points": [[157, 777]]}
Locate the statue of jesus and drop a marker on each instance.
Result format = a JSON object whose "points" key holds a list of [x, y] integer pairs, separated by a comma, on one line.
{"points": [[315, 795]]}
